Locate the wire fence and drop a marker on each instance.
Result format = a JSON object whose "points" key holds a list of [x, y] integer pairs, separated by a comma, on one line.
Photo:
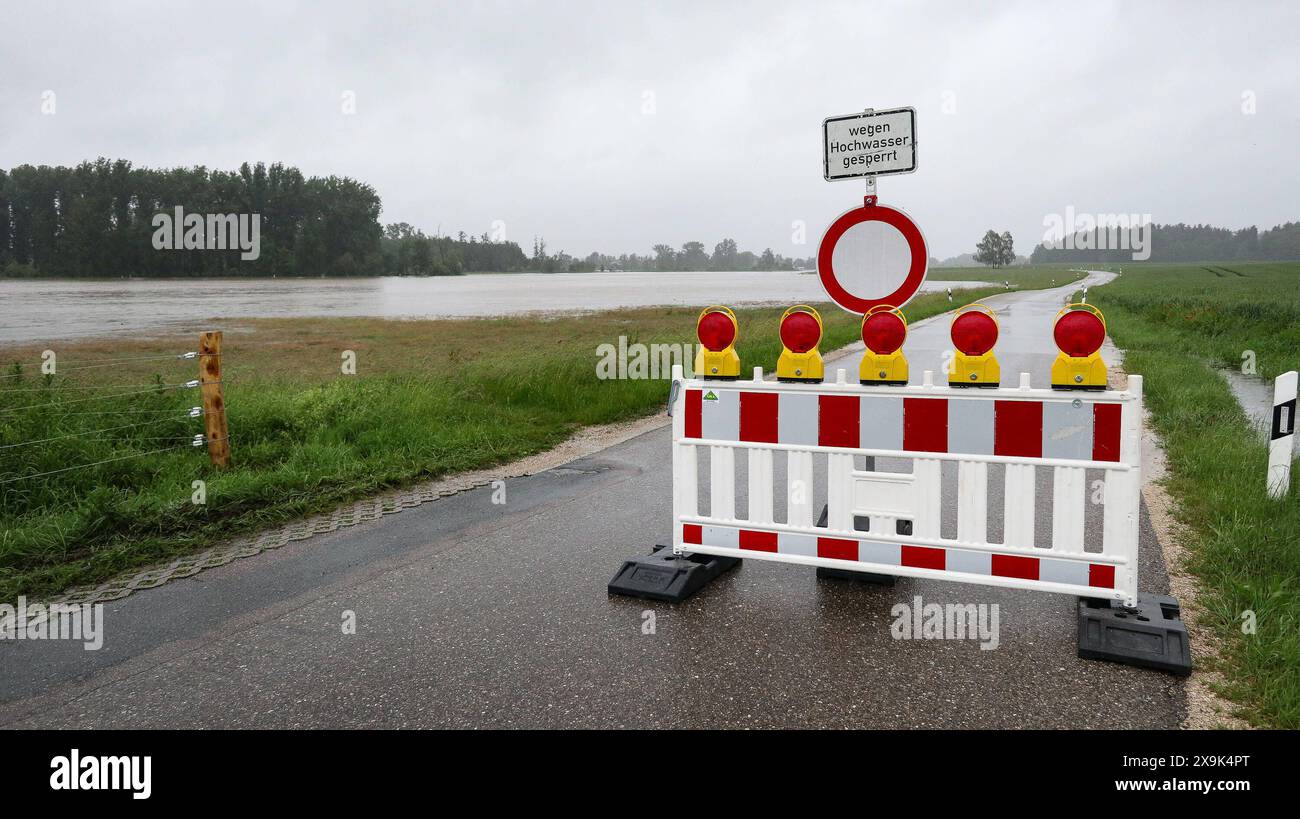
{"points": [[47, 424], [53, 387], [109, 362], [95, 431], [153, 388]]}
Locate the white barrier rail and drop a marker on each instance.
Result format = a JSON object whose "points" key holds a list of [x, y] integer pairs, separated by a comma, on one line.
{"points": [[1022, 429]]}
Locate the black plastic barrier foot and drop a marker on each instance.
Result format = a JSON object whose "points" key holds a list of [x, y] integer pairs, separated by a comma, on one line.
{"points": [[1151, 635], [861, 577], [849, 574], [661, 575]]}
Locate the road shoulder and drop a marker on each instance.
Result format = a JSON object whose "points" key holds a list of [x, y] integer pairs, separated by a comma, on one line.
{"points": [[1206, 709]]}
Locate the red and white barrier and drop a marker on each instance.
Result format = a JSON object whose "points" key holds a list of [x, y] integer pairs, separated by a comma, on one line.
{"points": [[1022, 429]]}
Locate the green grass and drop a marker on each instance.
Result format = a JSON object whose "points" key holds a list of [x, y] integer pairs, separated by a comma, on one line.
{"points": [[430, 398], [1177, 323]]}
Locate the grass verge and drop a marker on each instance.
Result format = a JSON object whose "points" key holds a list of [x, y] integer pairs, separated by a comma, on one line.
{"points": [[1176, 324]]}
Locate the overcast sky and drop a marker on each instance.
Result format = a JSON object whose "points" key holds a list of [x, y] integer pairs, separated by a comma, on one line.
{"points": [[614, 125]]}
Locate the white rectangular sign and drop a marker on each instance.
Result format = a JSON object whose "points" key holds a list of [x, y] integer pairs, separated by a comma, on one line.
{"points": [[870, 143]]}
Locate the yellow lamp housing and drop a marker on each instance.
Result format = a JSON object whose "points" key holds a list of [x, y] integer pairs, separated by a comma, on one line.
{"points": [[975, 371], [1073, 373], [1079, 331], [717, 331], [883, 362], [801, 332], [974, 333]]}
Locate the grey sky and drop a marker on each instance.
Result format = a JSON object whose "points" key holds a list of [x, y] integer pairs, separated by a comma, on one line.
{"points": [[535, 113]]}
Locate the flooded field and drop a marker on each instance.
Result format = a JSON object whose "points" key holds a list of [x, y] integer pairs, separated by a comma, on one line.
{"points": [[35, 310]]}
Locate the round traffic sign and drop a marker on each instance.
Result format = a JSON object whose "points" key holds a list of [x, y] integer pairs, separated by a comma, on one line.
{"points": [[872, 255]]}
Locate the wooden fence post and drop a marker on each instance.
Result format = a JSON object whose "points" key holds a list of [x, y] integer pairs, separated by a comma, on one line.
{"points": [[214, 404]]}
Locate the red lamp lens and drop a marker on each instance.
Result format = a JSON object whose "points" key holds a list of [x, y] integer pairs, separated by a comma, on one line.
{"points": [[974, 333], [1079, 333], [883, 333], [800, 332], [716, 331]]}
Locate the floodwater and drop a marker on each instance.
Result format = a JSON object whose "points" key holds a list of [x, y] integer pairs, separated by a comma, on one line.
{"points": [[40, 309], [1255, 395]]}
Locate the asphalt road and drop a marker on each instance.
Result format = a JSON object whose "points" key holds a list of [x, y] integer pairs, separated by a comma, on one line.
{"points": [[472, 614]]}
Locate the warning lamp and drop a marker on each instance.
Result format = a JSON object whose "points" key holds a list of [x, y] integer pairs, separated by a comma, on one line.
{"points": [[884, 329], [1079, 332], [716, 329], [974, 332], [801, 330]]}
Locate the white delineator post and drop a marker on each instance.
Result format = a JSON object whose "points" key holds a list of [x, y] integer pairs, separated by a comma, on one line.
{"points": [[1281, 442]]}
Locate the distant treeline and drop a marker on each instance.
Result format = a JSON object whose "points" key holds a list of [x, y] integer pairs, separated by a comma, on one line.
{"points": [[1188, 243], [409, 252], [98, 219], [692, 256]]}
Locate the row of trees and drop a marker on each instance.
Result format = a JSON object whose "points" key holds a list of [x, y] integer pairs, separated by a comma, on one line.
{"points": [[407, 251], [97, 219], [693, 256], [1187, 243]]}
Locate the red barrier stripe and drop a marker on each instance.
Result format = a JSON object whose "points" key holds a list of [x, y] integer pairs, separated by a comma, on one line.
{"points": [[694, 407], [925, 424], [1101, 576], [1025, 568], [837, 549], [838, 421], [758, 416], [1105, 432], [924, 557], [1018, 428], [757, 541]]}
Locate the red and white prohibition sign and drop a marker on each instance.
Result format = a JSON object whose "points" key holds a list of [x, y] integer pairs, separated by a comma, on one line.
{"points": [[872, 255]]}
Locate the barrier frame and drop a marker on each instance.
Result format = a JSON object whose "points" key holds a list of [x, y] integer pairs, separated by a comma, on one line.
{"points": [[1121, 500]]}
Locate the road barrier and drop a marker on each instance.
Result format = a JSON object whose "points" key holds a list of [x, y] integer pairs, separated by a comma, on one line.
{"points": [[926, 522], [890, 522], [880, 525]]}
